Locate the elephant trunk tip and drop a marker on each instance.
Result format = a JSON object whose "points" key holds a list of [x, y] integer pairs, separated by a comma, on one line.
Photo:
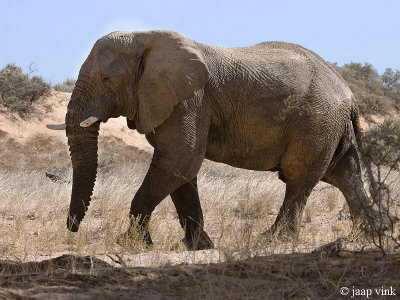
{"points": [[72, 223]]}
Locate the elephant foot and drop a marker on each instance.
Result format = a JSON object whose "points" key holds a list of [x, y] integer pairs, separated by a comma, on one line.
{"points": [[281, 233], [198, 242]]}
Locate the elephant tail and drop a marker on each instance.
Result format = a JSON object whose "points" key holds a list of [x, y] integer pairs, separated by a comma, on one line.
{"points": [[355, 120]]}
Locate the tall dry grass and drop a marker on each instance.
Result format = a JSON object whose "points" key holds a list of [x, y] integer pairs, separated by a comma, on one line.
{"points": [[238, 205]]}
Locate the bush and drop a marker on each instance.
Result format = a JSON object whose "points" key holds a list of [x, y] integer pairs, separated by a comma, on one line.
{"points": [[382, 144], [381, 156], [67, 86], [18, 91], [375, 94]]}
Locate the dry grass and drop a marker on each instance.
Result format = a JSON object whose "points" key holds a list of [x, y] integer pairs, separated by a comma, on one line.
{"points": [[238, 206]]}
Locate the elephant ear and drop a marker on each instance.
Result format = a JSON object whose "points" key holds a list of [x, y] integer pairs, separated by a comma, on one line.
{"points": [[174, 70]]}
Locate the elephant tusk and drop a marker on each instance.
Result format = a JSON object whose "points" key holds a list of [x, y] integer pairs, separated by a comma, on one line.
{"points": [[56, 126], [89, 121]]}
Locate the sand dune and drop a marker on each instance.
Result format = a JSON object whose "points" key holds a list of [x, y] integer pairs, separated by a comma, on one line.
{"points": [[52, 109]]}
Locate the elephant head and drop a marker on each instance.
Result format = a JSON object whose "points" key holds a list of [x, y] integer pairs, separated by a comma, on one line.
{"points": [[139, 75]]}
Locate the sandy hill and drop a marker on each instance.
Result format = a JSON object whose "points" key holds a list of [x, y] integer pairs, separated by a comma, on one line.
{"points": [[52, 109]]}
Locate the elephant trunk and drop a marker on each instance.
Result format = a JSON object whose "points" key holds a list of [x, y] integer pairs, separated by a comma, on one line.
{"points": [[83, 149]]}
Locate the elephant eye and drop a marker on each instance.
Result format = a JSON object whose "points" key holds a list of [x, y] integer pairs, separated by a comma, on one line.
{"points": [[105, 79]]}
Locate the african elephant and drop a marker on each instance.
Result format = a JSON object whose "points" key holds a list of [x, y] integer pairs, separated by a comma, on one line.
{"points": [[273, 106]]}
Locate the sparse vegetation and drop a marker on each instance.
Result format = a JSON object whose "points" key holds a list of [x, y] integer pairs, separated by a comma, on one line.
{"points": [[67, 86], [18, 91], [308, 214]]}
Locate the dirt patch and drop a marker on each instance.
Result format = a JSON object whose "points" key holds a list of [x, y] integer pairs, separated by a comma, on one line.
{"points": [[292, 276]]}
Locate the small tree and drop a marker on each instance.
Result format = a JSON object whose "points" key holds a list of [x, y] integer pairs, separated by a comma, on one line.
{"points": [[18, 90], [381, 155]]}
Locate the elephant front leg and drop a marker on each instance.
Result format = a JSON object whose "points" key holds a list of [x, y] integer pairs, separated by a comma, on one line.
{"points": [[164, 176], [142, 206], [179, 148], [157, 185], [187, 203]]}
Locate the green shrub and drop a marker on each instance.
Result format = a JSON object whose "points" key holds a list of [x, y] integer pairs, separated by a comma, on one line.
{"points": [[67, 86], [18, 91]]}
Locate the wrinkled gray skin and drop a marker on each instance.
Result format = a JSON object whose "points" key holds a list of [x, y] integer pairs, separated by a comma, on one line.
{"points": [[270, 107]]}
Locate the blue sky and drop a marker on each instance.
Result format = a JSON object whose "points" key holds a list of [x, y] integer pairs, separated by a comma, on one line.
{"points": [[58, 35]]}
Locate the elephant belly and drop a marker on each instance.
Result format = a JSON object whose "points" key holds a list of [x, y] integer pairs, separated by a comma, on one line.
{"points": [[260, 151]]}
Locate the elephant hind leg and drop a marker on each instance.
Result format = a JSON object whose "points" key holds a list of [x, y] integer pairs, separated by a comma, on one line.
{"points": [[287, 222], [301, 171], [346, 176], [187, 204]]}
